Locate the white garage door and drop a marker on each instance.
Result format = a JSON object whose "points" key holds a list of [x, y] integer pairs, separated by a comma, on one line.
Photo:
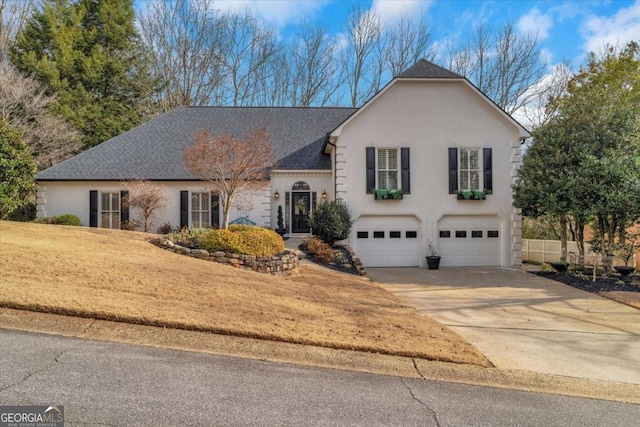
{"points": [[469, 240], [387, 241]]}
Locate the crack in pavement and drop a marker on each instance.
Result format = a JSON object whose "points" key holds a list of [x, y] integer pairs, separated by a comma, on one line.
{"points": [[56, 360], [433, 413], [415, 365], [30, 374]]}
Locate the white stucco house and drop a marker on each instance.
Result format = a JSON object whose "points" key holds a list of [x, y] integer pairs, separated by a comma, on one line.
{"points": [[429, 133]]}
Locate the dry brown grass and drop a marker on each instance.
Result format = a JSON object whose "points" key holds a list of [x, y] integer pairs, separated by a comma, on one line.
{"points": [[116, 275]]}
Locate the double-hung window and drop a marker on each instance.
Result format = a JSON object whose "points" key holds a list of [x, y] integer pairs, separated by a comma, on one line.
{"points": [[387, 169], [110, 210], [470, 169], [200, 210]]}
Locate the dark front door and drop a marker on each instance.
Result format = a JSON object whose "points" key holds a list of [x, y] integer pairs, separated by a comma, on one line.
{"points": [[300, 204]]}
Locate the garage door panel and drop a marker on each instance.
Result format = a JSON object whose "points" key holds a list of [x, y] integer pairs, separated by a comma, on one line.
{"points": [[401, 250], [462, 248]]}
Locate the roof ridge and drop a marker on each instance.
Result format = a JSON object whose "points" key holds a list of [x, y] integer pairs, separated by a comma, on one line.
{"points": [[427, 69]]}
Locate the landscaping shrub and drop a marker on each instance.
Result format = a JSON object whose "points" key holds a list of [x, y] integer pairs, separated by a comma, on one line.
{"points": [[331, 221], [243, 240], [165, 228], [66, 219], [312, 244], [319, 249], [128, 226]]}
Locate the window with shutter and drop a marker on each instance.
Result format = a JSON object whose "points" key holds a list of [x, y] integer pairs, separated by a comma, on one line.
{"points": [[469, 169], [387, 169], [200, 210], [110, 210]]}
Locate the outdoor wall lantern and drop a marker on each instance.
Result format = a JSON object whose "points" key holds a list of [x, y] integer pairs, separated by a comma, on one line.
{"points": [[324, 194], [276, 195]]}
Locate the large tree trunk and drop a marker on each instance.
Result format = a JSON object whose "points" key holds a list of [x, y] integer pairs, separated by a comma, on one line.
{"points": [[563, 238]]}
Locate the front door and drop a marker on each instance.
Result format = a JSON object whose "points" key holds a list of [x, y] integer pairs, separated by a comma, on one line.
{"points": [[300, 206]]}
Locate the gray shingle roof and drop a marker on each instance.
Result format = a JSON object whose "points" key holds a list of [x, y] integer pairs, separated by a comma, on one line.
{"points": [[425, 69], [154, 150]]}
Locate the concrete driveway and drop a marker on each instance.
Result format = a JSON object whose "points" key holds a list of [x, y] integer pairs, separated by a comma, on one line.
{"points": [[525, 322]]}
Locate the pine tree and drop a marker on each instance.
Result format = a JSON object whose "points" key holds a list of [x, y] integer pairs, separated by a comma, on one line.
{"points": [[87, 53]]}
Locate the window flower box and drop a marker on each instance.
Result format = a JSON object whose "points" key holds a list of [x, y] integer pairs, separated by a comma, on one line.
{"points": [[384, 194], [471, 195]]}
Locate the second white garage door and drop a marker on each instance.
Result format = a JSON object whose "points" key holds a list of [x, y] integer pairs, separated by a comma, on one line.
{"points": [[387, 241], [466, 240]]}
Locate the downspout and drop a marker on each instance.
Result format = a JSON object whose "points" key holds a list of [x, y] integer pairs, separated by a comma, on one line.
{"points": [[335, 167]]}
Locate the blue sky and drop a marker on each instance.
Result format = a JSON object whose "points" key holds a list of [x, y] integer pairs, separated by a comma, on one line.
{"points": [[569, 29]]}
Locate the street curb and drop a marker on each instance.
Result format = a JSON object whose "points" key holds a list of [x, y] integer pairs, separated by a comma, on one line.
{"points": [[321, 357]]}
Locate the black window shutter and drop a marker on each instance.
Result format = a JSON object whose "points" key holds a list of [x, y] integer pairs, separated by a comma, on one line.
{"points": [[453, 170], [184, 209], [124, 206], [371, 169], [404, 164], [488, 175], [215, 211], [93, 208]]}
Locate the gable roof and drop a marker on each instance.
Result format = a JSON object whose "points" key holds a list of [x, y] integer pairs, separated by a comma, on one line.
{"points": [[154, 150], [424, 69]]}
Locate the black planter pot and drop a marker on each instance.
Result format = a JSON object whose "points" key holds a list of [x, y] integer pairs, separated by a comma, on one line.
{"points": [[624, 271], [281, 231], [433, 262], [559, 266]]}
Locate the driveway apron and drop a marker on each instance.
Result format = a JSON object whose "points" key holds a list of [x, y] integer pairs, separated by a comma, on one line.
{"points": [[525, 322]]}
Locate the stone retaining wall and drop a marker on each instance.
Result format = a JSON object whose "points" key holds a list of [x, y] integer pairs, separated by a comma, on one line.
{"points": [[357, 263], [279, 265]]}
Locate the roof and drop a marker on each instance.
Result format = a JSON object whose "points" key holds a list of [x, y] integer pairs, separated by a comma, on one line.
{"points": [[424, 69], [428, 71], [154, 150]]}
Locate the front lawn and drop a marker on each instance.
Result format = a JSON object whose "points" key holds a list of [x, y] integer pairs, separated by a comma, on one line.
{"points": [[119, 275]]}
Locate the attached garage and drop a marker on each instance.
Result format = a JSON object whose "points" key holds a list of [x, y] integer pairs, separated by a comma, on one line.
{"points": [[387, 241], [470, 240]]}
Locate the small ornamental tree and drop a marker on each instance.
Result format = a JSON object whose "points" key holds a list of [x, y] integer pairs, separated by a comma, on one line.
{"points": [[231, 166], [146, 198], [17, 171], [331, 221]]}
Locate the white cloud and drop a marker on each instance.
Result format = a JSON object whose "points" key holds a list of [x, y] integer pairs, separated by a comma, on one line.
{"points": [[618, 29], [391, 10], [536, 22], [278, 13]]}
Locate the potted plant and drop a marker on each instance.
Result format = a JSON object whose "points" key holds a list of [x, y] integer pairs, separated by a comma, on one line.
{"points": [[626, 250], [472, 195], [433, 260], [385, 194], [280, 230]]}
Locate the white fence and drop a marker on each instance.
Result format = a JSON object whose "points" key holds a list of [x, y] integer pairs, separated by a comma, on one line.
{"points": [[549, 251]]}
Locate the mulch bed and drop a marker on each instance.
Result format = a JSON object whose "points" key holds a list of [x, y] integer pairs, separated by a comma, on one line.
{"points": [[602, 284], [343, 261]]}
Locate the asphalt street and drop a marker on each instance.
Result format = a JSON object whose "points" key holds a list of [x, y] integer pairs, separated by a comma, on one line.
{"points": [[112, 384]]}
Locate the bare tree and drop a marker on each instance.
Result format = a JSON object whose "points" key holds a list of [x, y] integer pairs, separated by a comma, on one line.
{"points": [[248, 52], [25, 106], [551, 87], [518, 66], [13, 15], [314, 78], [231, 166], [363, 33], [184, 40], [409, 41], [145, 198], [504, 66]]}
